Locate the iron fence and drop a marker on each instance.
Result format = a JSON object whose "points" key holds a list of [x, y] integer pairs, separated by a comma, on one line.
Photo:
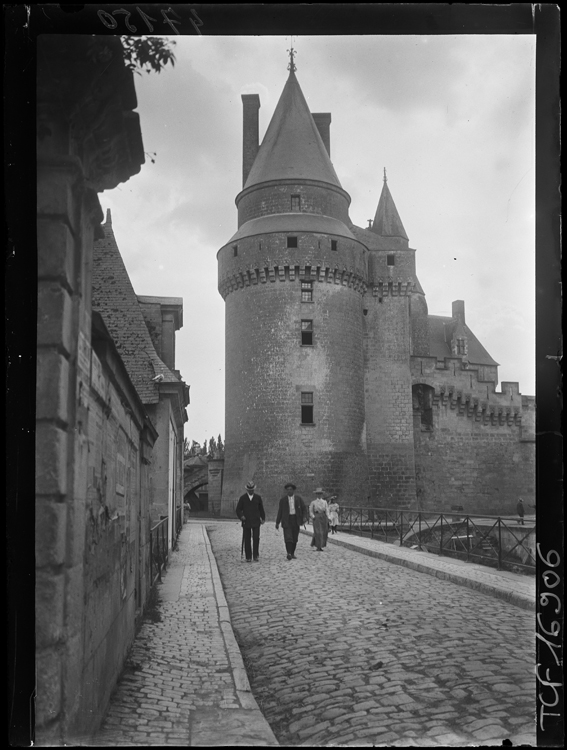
{"points": [[178, 523], [496, 541], [159, 546]]}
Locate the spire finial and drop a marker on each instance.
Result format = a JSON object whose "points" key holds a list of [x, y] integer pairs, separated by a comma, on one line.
{"points": [[291, 67], [385, 178]]}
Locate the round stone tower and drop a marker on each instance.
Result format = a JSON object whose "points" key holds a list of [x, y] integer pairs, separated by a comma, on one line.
{"points": [[292, 278]]}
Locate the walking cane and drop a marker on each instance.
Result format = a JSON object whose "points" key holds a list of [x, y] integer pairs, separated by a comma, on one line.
{"points": [[242, 545]]}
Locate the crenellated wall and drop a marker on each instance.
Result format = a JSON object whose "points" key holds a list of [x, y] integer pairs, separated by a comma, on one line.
{"points": [[478, 449]]}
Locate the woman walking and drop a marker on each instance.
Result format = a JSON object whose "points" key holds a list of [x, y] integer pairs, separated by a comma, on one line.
{"points": [[318, 514], [333, 513]]}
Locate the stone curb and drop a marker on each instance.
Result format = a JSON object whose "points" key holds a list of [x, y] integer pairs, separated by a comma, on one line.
{"points": [[257, 732], [484, 587]]}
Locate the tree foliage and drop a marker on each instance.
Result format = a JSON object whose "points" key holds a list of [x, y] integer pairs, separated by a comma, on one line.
{"points": [[147, 53]]}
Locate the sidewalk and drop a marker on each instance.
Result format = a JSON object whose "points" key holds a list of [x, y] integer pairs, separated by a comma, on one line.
{"points": [[184, 683], [511, 587]]}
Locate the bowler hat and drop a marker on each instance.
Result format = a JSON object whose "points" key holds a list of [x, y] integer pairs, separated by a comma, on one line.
{"points": [[319, 489], [288, 485], [250, 486]]}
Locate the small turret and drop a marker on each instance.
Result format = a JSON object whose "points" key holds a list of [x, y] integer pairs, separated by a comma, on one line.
{"points": [[387, 222]]}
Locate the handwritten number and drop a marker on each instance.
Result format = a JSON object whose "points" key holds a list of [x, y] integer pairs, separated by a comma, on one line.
{"points": [[193, 22], [107, 19], [551, 573], [544, 601], [551, 646], [169, 20], [555, 627], [127, 13], [146, 19], [548, 561]]}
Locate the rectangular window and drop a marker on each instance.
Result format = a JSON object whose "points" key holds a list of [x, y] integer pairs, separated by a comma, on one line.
{"points": [[391, 260], [333, 244], [306, 333], [292, 241], [307, 291], [306, 408], [296, 203], [461, 348], [235, 250]]}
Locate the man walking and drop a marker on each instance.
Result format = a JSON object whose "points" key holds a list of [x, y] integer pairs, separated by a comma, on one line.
{"points": [[291, 515], [250, 510]]}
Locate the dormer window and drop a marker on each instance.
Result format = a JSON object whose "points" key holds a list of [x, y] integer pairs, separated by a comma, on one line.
{"points": [[292, 241], [391, 259], [296, 203], [461, 346]]}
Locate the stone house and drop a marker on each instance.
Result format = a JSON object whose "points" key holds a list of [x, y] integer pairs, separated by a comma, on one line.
{"points": [[104, 457], [144, 331], [336, 375]]}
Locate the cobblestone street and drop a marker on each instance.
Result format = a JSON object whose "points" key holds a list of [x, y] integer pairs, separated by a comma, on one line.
{"points": [[343, 648]]}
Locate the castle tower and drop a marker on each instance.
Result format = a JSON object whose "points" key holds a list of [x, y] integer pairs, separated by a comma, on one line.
{"points": [[388, 328], [293, 278]]}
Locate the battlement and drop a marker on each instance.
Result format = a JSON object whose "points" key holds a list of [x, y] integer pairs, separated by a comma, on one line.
{"points": [[393, 288], [245, 277]]}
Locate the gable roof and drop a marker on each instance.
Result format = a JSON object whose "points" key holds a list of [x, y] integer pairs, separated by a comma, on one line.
{"points": [[292, 147], [114, 298], [440, 335]]}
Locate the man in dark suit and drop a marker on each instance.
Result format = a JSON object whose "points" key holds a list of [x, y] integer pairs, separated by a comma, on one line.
{"points": [[291, 515], [250, 510]]}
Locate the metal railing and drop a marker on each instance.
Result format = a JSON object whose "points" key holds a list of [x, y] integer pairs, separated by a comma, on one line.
{"points": [[496, 541], [178, 523], [159, 552]]}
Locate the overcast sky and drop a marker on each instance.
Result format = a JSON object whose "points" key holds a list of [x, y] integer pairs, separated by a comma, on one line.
{"points": [[452, 118]]}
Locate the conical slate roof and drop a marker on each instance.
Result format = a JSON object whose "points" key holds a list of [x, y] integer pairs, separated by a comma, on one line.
{"points": [[292, 147], [387, 222]]}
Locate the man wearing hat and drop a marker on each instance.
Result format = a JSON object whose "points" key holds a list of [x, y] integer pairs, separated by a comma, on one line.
{"points": [[291, 515], [250, 510]]}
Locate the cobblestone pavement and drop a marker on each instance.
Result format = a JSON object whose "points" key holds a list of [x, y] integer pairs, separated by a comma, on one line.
{"points": [[184, 682], [346, 649]]}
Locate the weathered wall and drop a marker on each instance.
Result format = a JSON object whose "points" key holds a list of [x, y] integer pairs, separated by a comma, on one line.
{"points": [[73, 118], [480, 449], [215, 482], [115, 567], [267, 368]]}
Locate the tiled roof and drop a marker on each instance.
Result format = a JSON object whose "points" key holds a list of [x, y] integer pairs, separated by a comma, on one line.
{"points": [[292, 147], [293, 222], [440, 334], [387, 222], [114, 298]]}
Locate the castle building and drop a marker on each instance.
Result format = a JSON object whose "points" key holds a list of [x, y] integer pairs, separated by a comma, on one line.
{"points": [[336, 375]]}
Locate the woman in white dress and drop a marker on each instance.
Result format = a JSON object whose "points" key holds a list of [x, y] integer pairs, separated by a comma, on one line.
{"points": [[319, 518]]}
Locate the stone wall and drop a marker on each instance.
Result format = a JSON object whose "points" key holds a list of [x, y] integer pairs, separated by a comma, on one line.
{"points": [[75, 116], [116, 572], [479, 451], [268, 368]]}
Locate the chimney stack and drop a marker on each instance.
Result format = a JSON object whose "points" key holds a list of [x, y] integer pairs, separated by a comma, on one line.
{"points": [[250, 133], [459, 310], [323, 123]]}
